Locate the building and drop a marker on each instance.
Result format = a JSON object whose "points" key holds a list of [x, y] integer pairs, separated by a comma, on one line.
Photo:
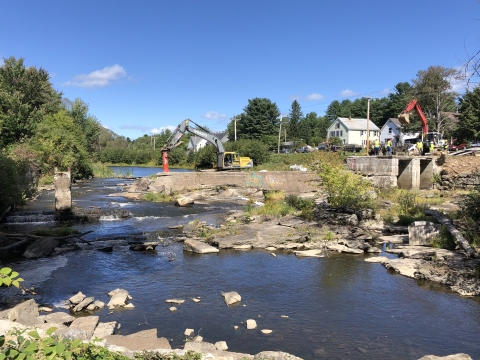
{"points": [[353, 131], [391, 130], [195, 142]]}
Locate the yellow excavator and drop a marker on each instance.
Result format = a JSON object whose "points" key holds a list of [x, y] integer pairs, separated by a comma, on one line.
{"points": [[226, 160]]}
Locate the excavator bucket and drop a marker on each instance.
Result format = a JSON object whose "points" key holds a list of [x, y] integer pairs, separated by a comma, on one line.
{"points": [[404, 119]]}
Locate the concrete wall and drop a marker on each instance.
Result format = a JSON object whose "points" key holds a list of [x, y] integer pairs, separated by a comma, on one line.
{"points": [[63, 193], [372, 165], [288, 181], [426, 173], [408, 173]]}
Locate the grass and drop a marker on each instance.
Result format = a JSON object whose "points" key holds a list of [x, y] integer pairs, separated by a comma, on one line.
{"points": [[158, 197], [55, 231], [102, 171], [282, 162], [45, 180]]}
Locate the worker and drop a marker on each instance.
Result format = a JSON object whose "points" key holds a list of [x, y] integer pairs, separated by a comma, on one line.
{"points": [[435, 139], [432, 148], [376, 147], [445, 145], [389, 146], [419, 147]]}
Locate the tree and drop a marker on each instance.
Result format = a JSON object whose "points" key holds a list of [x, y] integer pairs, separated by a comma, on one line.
{"points": [[469, 122], [26, 96], [260, 118], [433, 90], [295, 117]]}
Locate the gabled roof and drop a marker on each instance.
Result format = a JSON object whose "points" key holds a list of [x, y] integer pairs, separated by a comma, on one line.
{"points": [[358, 124], [396, 122]]}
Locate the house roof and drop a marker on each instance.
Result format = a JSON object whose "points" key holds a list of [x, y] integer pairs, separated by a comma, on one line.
{"points": [[396, 122], [358, 124]]}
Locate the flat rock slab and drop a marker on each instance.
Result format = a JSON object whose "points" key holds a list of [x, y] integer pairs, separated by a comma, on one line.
{"points": [[406, 267], [459, 356], [310, 253], [275, 355], [77, 298], [58, 318], [82, 328], [135, 343], [7, 325], [343, 249], [175, 301], [251, 324], [84, 303], [198, 247], [231, 297], [377, 259], [104, 329], [118, 297], [393, 239], [200, 347], [29, 307]]}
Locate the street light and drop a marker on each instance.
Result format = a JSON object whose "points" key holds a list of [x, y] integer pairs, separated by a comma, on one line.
{"points": [[279, 132]]}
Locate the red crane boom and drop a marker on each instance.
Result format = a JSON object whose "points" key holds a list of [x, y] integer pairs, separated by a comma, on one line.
{"points": [[403, 117]]}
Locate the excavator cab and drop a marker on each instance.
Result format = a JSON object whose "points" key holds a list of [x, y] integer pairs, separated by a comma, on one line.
{"points": [[231, 160]]}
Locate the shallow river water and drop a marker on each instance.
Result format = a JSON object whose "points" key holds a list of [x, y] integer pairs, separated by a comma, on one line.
{"points": [[338, 307]]}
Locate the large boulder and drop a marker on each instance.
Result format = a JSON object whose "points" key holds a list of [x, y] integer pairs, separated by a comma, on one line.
{"points": [[231, 297], [198, 247], [118, 298], [40, 248], [184, 201], [421, 232], [275, 355], [25, 308], [82, 328], [143, 340]]}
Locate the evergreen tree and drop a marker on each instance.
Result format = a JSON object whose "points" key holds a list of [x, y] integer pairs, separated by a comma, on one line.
{"points": [[468, 127], [259, 119], [295, 117]]}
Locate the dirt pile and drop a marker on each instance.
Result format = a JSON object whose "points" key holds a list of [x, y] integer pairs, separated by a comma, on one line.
{"points": [[461, 164]]}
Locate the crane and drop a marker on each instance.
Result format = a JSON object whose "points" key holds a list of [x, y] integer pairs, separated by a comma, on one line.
{"points": [[226, 160]]}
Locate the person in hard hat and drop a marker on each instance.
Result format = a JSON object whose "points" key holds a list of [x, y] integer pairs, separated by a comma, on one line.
{"points": [[432, 148], [376, 147], [445, 145], [389, 146], [419, 147]]}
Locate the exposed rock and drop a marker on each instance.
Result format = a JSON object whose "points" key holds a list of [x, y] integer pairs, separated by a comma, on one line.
{"points": [[343, 249], [175, 301], [172, 308], [231, 297], [377, 259], [77, 298], [58, 318], [144, 340], [198, 247], [251, 324], [188, 332], [266, 331], [310, 253], [99, 304], [198, 338], [104, 329], [393, 239], [129, 306], [275, 355], [45, 309], [355, 244], [459, 356], [184, 201], [144, 246], [26, 308], [83, 304], [7, 325], [242, 247], [82, 328], [406, 267], [118, 298], [199, 347], [221, 345], [40, 248], [421, 232]]}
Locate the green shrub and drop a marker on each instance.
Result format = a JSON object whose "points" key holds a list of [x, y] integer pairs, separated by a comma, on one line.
{"points": [[150, 355], [345, 188], [469, 217], [8, 277], [444, 240], [157, 197], [205, 158], [255, 149]]}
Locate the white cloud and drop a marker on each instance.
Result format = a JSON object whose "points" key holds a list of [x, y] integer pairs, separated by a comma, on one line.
{"points": [[385, 91], [315, 96], [214, 115], [163, 128], [348, 93], [98, 78]]}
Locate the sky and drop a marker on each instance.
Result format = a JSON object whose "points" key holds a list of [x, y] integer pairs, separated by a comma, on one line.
{"points": [[144, 66]]}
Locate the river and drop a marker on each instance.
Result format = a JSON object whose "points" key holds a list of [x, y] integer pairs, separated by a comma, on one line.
{"points": [[338, 306]]}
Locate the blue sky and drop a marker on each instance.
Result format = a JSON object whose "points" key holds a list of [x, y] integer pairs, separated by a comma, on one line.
{"points": [[145, 65]]}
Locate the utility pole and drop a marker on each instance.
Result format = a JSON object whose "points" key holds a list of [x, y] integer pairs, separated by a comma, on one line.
{"points": [[235, 122], [368, 125], [279, 132], [154, 143]]}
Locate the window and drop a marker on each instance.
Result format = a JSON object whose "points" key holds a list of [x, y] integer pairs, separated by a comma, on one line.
{"points": [[361, 133], [389, 130], [341, 133], [332, 133], [337, 126]]}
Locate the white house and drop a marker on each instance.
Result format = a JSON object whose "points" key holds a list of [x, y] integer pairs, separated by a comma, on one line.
{"points": [[393, 130], [196, 142], [353, 131]]}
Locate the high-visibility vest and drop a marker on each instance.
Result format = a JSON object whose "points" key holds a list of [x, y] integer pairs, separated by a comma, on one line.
{"points": [[432, 146], [377, 143], [419, 145], [389, 142]]}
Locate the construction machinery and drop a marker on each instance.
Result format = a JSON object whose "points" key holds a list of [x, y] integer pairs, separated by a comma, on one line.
{"points": [[426, 137], [226, 160]]}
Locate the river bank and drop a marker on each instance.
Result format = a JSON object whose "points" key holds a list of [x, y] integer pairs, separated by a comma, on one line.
{"points": [[327, 299]]}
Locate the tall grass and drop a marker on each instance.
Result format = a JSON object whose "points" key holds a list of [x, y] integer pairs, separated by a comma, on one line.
{"points": [[102, 171]]}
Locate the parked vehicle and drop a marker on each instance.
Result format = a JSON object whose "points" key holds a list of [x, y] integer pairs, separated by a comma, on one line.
{"points": [[352, 148], [304, 149], [323, 147], [457, 147], [285, 151]]}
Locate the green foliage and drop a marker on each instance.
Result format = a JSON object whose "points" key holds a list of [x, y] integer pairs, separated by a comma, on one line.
{"points": [[469, 217], [205, 158], [335, 140], [306, 206], [26, 96], [255, 149], [468, 127], [8, 277], [15, 181], [444, 240], [150, 355], [345, 188], [102, 171], [158, 197], [295, 117], [29, 345], [45, 180], [55, 231], [177, 156], [260, 118]]}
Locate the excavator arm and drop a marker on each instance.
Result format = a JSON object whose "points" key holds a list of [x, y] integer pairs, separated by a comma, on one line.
{"points": [[403, 117], [184, 126]]}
